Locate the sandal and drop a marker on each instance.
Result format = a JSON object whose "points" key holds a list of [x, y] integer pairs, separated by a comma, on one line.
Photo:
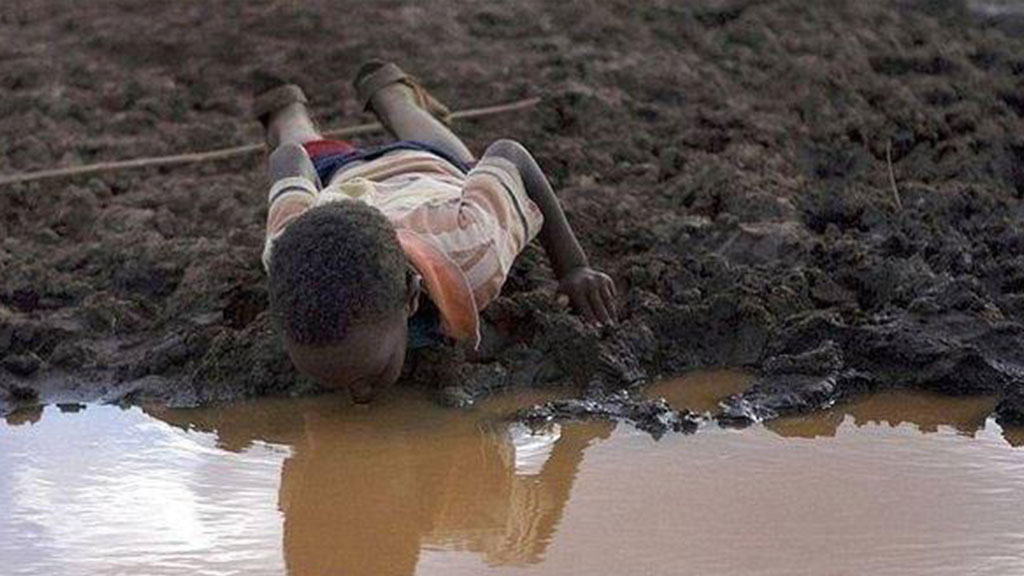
{"points": [[276, 98], [376, 74]]}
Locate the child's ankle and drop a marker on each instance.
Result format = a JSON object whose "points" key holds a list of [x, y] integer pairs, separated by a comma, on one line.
{"points": [[291, 123], [396, 93]]}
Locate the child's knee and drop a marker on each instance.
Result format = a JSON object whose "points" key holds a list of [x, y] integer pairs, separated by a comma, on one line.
{"points": [[287, 153], [291, 160]]}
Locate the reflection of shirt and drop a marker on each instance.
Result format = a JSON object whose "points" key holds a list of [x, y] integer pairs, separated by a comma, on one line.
{"points": [[531, 446], [461, 231]]}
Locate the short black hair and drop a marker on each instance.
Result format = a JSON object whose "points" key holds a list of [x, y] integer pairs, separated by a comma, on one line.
{"points": [[333, 267]]}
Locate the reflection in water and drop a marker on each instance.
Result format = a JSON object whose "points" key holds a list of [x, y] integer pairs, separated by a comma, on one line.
{"points": [[926, 411], [1014, 436], [894, 483], [111, 491], [25, 415], [367, 488]]}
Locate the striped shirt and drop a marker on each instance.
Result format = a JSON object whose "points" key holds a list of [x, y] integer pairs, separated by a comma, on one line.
{"points": [[461, 231]]}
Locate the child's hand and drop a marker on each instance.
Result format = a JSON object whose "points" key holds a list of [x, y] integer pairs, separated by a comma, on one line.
{"points": [[592, 294]]}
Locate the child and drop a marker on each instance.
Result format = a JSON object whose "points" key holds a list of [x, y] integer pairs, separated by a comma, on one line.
{"points": [[356, 237]]}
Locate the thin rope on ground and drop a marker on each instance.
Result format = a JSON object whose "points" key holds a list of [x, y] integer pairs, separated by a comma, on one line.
{"points": [[224, 153]]}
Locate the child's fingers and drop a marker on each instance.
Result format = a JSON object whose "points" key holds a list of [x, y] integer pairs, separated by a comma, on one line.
{"points": [[597, 303], [608, 291], [582, 305]]}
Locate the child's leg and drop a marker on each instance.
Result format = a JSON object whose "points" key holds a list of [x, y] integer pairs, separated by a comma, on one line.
{"points": [[298, 148], [291, 125], [291, 160], [396, 108], [287, 130]]}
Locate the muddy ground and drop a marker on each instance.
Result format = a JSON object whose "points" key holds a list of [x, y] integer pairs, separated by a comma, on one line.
{"points": [[826, 193]]}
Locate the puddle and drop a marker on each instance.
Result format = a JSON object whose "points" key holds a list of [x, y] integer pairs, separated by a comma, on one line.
{"points": [[921, 411], [897, 483], [701, 391]]}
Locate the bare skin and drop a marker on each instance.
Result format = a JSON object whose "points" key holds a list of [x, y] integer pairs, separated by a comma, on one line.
{"points": [[370, 358], [591, 292]]}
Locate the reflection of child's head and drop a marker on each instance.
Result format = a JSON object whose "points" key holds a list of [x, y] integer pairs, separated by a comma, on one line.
{"points": [[339, 291]]}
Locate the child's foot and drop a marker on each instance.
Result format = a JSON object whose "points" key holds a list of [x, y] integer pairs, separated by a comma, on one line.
{"points": [[282, 110], [378, 80]]}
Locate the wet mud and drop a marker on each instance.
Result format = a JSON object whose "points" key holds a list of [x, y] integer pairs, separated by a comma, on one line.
{"points": [[828, 195]]}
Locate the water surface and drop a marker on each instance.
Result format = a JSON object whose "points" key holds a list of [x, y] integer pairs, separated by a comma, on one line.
{"points": [[894, 484]]}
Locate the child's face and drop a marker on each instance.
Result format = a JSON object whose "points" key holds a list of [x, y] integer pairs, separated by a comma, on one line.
{"points": [[367, 361]]}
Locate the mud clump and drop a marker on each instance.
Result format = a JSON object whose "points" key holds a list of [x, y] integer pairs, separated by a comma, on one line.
{"points": [[794, 384], [1010, 410], [727, 162], [655, 417]]}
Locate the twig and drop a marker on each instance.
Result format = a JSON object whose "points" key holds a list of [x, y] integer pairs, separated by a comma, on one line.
{"points": [[224, 153], [892, 175]]}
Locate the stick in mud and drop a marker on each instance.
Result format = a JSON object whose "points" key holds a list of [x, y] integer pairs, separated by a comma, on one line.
{"points": [[892, 175], [224, 153]]}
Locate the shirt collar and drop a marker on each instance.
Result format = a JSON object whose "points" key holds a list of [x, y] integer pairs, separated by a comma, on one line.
{"points": [[447, 286]]}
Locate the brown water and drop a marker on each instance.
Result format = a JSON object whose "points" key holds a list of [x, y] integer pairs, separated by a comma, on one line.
{"points": [[895, 484]]}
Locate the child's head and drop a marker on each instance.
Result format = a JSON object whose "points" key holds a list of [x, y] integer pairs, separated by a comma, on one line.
{"points": [[341, 290]]}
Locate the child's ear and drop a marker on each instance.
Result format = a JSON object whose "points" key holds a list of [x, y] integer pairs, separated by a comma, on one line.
{"points": [[413, 289]]}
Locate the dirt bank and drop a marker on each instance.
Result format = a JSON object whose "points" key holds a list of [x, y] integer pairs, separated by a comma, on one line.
{"points": [[826, 193]]}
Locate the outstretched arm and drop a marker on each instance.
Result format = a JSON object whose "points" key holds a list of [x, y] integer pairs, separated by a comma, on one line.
{"points": [[591, 292]]}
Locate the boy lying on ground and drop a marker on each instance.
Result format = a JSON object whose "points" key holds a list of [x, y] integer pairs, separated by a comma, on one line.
{"points": [[356, 237]]}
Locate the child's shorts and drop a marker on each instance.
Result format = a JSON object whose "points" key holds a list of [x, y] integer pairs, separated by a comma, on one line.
{"points": [[329, 156]]}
